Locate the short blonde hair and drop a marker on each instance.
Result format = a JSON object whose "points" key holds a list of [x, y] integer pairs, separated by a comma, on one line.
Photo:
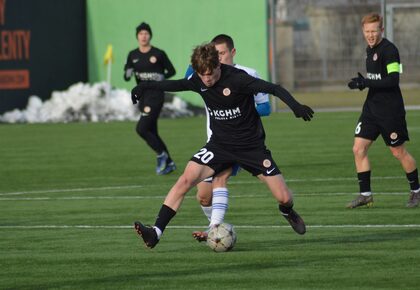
{"points": [[372, 18]]}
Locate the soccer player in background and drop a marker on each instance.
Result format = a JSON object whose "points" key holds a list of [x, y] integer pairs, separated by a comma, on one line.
{"points": [[383, 111], [212, 193], [149, 63], [238, 135]]}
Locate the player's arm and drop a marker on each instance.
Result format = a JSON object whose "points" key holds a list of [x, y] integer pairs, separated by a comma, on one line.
{"points": [[393, 69], [128, 69], [168, 66], [391, 79], [255, 85], [166, 85], [262, 100], [263, 109]]}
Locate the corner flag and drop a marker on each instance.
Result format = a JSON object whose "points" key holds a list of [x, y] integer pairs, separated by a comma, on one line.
{"points": [[108, 57]]}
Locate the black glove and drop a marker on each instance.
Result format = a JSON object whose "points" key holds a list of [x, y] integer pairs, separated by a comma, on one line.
{"points": [[357, 83], [304, 112], [136, 94]]}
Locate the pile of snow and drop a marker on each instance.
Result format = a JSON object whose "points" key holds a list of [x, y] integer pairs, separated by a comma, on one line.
{"points": [[86, 102]]}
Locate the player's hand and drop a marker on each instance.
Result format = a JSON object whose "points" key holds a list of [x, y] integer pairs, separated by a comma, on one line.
{"points": [[136, 94], [357, 83], [128, 74], [304, 112]]}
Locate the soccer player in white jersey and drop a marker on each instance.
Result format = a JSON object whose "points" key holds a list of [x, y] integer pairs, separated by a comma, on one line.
{"points": [[212, 193]]}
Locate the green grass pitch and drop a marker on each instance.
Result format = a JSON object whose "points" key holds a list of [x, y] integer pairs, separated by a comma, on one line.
{"points": [[69, 194]]}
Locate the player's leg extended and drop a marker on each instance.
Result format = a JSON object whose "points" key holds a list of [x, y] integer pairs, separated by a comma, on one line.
{"points": [[204, 196], [284, 196], [360, 151], [408, 163], [193, 174], [220, 197], [278, 188], [213, 198]]}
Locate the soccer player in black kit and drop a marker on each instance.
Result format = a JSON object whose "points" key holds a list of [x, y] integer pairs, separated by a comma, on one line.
{"points": [[383, 112], [149, 63], [238, 135]]}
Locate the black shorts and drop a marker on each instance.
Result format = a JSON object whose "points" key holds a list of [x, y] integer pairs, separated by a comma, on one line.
{"points": [[256, 161], [393, 130]]}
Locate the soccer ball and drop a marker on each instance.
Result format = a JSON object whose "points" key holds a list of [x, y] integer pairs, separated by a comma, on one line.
{"points": [[221, 238]]}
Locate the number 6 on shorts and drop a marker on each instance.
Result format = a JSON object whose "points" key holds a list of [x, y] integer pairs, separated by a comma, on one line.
{"points": [[358, 128]]}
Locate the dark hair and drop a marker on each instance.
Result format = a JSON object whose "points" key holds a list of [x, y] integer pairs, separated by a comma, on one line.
{"points": [[205, 58], [223, 38], [143, 26]]}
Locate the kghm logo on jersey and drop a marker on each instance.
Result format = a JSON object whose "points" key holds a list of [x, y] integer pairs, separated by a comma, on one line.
{"points": [[227, 114], [372, 76]]}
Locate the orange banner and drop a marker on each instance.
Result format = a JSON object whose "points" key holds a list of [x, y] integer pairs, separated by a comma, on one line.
{"points": [[14, 79]]}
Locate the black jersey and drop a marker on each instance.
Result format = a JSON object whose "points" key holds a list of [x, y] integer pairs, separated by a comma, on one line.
{"points": [[384, 99], [234, 120], [152, 65]]}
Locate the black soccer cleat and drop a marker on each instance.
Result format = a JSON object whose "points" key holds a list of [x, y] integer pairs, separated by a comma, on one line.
{"points": [[168, 169], [147, 233], [295, 221], [361, 200], [414, 199], [162, 161]]}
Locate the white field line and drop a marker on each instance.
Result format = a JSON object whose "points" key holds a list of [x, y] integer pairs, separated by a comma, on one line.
{"points": [[124, 187], [139, 197], [385, 226]]}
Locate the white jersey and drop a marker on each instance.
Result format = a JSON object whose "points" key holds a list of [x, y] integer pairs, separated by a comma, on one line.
{"points": [[258, 98]]}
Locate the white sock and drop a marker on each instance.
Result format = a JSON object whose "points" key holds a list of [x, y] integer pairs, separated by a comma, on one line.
{"points": [[207, 211], [367, 193], [158, 232], [417, 190], [219, 204]]}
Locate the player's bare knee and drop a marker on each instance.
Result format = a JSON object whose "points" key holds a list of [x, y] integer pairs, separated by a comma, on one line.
{"points": [[204, 197], [399, 152], [359, 151], [186, 181], [204, 200]]}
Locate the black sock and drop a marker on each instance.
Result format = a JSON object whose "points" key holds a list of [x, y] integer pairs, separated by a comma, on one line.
{"points": [[413, 179], [165, 215], [364, 181], [286, 208]]}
